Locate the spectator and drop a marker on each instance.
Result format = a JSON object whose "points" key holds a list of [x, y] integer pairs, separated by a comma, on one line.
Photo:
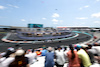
{"points": [[7, 58], [98, 59], [97, 55], [49, 58], [59, 55], [89, 52], [65, 48], [96, 44], [32, 56], [92, 50], [43, 52], [83, 56], [2, 54], [73, 57], [65, 53], [20, 60], [38, 52], [29, 51], [10, 50]]}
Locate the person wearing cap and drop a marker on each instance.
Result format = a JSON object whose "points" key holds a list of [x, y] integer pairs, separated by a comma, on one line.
{"points": [[8, 57], [96, 44], [65, 54], [83, 56], [96, 53], [32, 56], [73, 57], [49, 58], [90, 54], [10, 51], [60, 58], [20, 60]]}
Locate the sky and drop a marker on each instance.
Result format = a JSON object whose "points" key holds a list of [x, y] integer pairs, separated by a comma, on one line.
{"points": [[50, 13]]}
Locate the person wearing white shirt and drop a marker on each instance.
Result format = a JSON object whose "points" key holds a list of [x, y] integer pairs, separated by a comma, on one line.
{"points": [[60, 60], [32, 57], [6, 61]]}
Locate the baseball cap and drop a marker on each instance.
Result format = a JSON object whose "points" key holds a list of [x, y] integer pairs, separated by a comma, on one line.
{"points": [[19, 52], [11, 49], [50, 48], [84, 46]]}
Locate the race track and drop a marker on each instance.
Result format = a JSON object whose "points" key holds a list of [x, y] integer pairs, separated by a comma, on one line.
{"points": [[81, 38]]}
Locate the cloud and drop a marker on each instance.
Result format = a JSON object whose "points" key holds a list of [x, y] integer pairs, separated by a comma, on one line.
{"points": [[23, 20], [82, 18], [57, 21], [2, 7], [96, 15], [97, 0], [84, 7], [80, 8], [44, 18], [16, 6], [97, 22], [13, 6], [55, 15], [54, 20]]}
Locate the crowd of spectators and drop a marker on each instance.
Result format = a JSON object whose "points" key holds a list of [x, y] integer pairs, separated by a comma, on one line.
{"points": [[74, 55]]}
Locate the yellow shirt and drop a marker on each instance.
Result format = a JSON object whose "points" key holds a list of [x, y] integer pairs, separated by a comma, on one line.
{"points": [[84, 57]]}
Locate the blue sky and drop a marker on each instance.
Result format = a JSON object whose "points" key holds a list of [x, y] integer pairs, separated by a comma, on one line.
{"points": [[50, 13]]}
